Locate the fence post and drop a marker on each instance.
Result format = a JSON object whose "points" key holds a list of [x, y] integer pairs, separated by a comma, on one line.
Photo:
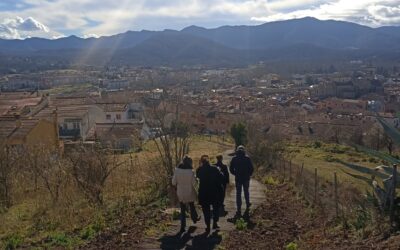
{"points": [[284, 170], [301, 176], [315, 185], [336, 194], [393, 194]]}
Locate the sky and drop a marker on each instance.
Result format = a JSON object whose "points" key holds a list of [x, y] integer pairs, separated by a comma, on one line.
{"points": [[20, 19]]}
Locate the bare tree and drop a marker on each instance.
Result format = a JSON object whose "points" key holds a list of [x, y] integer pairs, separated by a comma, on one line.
{"points": [[8, 167], [388, 143], [357, 137], [47, 166], [172, 137], [264, 143], [376, 138], [336, 134], [90, 168]]}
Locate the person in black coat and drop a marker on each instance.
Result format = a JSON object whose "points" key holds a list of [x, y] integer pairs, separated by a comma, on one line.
{"points": [[242, 168], [224, 170], [210, 191]]}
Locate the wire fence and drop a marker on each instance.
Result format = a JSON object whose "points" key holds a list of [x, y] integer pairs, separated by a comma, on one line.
{"points": [[333, 197]]}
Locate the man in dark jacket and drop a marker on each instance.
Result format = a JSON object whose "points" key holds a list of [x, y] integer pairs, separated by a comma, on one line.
{"points": [[224, 170], [210, 191], [242, 168]]}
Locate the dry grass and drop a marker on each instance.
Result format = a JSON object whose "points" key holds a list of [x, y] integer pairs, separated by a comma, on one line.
{"points": [[34, 217], [325, 158]]}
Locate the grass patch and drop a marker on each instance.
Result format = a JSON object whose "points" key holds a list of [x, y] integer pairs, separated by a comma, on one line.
{"points": [[12, 241], [291, 246], [269, 180], [241, 224], [327, 159], [61, 239]]}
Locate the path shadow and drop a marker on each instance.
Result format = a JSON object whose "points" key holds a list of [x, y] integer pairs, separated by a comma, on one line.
{"points": [[245, 216], [205, 241], [177, 241], [199, 242]]}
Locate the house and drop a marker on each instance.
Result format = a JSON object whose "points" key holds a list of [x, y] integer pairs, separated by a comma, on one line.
{"points": [[29, 132], [122, 112], [121, 136], [74, 122], [342, 105], [115, 112]]}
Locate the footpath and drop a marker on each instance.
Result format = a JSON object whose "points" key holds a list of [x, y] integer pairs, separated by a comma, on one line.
{"points": [[194, 237]]}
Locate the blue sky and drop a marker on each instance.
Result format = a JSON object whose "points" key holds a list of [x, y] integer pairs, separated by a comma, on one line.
{"points": [[56, 18]]}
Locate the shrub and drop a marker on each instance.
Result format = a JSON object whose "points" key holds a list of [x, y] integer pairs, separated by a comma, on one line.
{"points": [[241, 224], [60, 239], [291, 246], [317, 144], [362, 218], [90, 168], [329, 158], [12, 242], [269, 180], [176, 215], [337, 149], [239, 133]]}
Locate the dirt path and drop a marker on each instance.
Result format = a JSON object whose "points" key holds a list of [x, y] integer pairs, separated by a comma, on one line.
{"points": [[194, 237]]}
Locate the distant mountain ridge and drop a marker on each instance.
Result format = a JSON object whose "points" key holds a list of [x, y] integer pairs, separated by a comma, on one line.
{"points": [[306, 38]]}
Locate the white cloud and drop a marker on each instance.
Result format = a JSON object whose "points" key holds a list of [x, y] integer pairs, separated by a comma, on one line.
{"points": [[90, 36], [20, 28], [367, 12], [105, 17]]}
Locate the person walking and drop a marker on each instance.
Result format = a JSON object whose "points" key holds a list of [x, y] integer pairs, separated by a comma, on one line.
{"points": [[242, 168], [210, 191], [184, 180], [224, 170]]}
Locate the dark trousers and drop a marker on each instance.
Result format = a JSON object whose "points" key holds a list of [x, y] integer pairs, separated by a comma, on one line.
{"points": [[223, 196], [239, 185], [193, 213], [207, 213]]}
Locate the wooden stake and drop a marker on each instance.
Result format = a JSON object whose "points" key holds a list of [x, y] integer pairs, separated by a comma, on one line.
{"points": [[315, 184], [284, 171], [393, 194], [336, 194], [301, 177]]}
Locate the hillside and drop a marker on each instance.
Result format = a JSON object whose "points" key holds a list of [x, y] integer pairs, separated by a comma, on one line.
{"points": [[297, 39]]}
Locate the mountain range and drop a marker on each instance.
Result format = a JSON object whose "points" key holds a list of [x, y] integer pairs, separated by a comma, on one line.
{"points": [[295, 40]]}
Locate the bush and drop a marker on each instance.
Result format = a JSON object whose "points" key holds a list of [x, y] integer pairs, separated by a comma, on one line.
{"points": [[12, 242], [317, 144], [291, 246], [269, 180], [337, 149], [176, 215], [329, 158], [239, 133], [241, 224], [362, 218], [60, 239]]}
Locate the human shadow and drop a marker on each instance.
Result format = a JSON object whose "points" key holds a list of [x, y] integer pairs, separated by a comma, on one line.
{"points": [[177, 241], [205, 241]]}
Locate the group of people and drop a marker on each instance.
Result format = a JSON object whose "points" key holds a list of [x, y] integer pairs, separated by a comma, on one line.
{"points": [[212, 181]]}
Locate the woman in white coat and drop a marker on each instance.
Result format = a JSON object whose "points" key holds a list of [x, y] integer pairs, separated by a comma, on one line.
{"points": [[184, 180]]}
